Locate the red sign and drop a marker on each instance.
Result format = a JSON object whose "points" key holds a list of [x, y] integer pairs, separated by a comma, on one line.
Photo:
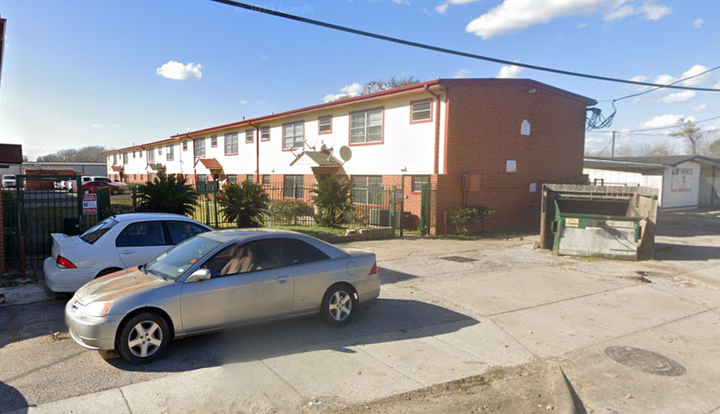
{"points": [[89, 203]]}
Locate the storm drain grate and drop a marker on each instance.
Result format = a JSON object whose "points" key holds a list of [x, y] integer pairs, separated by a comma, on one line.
{"points": [[458, 259], [644, 360]]}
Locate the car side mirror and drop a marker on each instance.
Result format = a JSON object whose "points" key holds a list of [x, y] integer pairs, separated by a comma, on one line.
{"points": [[198, 276]]}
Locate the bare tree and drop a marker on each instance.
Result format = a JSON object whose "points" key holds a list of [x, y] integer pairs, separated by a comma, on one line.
{"points": [[383, 85], [658, 149], [691, 133], [625, 151], [85, 154], [713, 150]]}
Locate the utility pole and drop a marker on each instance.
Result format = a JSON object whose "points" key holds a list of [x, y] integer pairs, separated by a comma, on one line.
{"points": [[612, 152]]}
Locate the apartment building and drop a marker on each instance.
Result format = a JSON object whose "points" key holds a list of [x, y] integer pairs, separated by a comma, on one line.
{"points": [[489, 142]]}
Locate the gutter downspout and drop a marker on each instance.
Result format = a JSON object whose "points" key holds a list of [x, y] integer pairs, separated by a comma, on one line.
{"points": [[194, 162], [257, 152], [437, 128]]}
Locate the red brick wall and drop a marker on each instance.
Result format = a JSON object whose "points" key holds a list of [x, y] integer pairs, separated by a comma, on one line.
{"points": [[484, 132]]}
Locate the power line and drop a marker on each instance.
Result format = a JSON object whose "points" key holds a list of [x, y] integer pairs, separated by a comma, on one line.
{"points": [[448, 51], [665, 86], [631, 131]]}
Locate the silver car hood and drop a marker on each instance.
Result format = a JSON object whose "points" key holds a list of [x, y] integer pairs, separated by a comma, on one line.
{"points": [[116, 285]]}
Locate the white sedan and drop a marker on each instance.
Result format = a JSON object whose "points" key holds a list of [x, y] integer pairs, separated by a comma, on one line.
{"points": [[116, 243]]}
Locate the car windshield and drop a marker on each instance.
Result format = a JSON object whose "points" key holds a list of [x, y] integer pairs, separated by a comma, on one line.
{"points": [[97, 231], [173, 263]]}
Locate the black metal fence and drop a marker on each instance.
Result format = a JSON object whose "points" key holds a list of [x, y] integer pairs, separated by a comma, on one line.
{"points": [[374, 207]]}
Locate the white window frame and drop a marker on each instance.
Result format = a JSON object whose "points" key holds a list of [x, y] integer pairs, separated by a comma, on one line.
{"points": [[298, 139], [231, 142], [199, 149], [415, 111], [359, 135]]}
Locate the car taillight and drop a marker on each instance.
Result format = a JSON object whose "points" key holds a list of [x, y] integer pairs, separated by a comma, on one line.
{"points": [[65, 263], [374, 269]]}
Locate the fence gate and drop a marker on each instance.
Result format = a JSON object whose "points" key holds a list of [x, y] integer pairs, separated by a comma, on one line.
{"points": [[33, 210]]}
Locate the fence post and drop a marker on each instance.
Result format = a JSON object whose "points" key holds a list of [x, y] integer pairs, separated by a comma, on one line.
{"points": [[393, 208], [134, 198], [79, 192], [215, 209]]}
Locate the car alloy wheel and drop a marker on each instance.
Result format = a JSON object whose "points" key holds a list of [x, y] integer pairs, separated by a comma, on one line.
{"points": [[145, 339], [338, 305]]}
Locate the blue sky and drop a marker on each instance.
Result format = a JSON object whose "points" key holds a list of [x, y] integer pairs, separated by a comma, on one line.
{"points": [[88, 72]]}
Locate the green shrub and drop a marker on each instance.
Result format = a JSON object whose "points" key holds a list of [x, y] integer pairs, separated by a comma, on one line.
{"points": [[167, 194], [331, 196], [288, 211], [245, 204], [465, 218]]}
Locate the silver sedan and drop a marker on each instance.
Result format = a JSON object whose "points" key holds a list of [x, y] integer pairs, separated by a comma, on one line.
{"points": [[218, 280]]}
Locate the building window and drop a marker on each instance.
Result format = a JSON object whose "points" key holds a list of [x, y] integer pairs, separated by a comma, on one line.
{"points": [[125, 158], [114, 159], [265, 133], [231, 144], [160, 151], [421, 111], [250, 178], [249, 136], [213, 141], [367, 189], [525, 127], [266, 179], [140, 153], [134, 154], [232, 178], [293, 135], [419, 182], [170, 153], [366, 126], [325, 124], [200, 148], [184, 145], [293, 186], [151, 156]]}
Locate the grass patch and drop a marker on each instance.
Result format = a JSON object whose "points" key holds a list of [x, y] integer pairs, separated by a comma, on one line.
{"points": [[468, 383]]}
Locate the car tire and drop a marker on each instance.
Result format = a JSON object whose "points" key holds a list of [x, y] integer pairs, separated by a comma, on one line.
{"points": [[143, 338], [339, 305], [107, 272]]}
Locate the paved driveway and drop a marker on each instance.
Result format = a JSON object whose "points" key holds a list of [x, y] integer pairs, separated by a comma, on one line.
{"points": [[495, 303]]}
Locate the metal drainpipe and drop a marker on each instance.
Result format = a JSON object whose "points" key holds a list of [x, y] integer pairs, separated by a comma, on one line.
{"points": [[257, 152], [193, 158], [437, 128]]}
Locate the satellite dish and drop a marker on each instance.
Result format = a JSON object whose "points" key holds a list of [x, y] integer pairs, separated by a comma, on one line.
{"points": [[345, 153]]}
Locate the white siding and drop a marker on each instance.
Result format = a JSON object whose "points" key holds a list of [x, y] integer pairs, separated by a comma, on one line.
{"points": [[673, 198]]}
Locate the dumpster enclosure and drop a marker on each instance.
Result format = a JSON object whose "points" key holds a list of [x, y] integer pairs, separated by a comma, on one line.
{"points": [[599, 221]]}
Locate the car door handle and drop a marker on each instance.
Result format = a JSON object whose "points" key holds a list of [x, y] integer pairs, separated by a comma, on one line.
{"points": [[127, 252], [282, 279]]}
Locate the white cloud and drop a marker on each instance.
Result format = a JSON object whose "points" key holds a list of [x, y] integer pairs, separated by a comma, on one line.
{"points": [[665, 79], [347, 91], [462, 74], [700, 108], [510, 71], [677, 97], [698, 23], [515, 15], [583, 25], [405, 2], [178, 71], [265, 57], [662, 121], [695, 70], [621, 12], [243, 102], [443, 7]]}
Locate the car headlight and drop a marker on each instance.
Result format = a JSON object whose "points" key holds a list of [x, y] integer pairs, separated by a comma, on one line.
{"points": [[96, 309]]}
